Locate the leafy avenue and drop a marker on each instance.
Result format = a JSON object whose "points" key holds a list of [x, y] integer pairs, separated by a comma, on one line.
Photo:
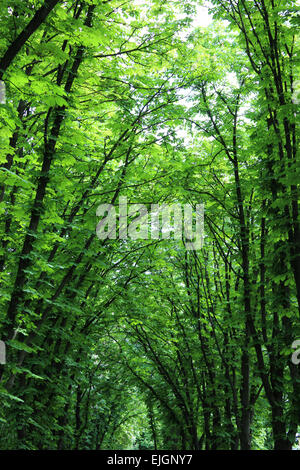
{"points": [[144, 344]]}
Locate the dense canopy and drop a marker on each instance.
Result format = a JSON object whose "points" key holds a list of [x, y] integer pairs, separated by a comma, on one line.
{"points": [[144, 342]]}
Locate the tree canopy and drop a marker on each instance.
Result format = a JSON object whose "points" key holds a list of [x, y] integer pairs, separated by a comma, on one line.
{"points": [[124, 343]]}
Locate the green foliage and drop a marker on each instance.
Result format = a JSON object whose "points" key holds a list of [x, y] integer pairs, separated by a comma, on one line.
{"points": [[123, 344]]}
